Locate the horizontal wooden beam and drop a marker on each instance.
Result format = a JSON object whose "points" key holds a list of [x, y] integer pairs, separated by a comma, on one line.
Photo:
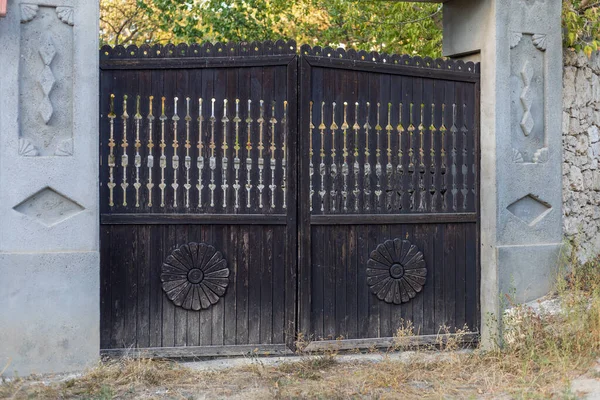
{"points": [[390, 342], [194, 63], [280, 219], [392, 219], [198, 351], [393, 69], [192, 219]]}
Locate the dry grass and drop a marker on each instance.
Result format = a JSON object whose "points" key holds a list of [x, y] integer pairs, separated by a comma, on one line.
{"points": [[540, 357]]}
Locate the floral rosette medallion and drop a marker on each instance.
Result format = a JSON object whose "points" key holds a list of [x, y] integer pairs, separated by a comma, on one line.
{"points": [[396, 271], [195, 276]]}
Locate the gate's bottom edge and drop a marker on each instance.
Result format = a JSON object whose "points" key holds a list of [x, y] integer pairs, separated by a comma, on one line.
{"points": [[465, 339], [198, 351]]}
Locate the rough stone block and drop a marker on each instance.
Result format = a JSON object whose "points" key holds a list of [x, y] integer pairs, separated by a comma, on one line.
{"points": [[528, 270], [50, 319]]}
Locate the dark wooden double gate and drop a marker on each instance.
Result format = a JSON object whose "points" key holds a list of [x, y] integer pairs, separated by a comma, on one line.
{"points": [[253, 193]]}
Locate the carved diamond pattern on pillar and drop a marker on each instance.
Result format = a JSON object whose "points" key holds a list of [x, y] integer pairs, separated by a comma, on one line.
{"points": [[48, 207], [526, 99], [528, 130], [46, 80], [529, 209], [47, 52]]}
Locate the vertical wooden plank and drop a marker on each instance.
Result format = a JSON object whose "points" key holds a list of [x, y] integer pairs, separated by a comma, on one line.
{"points": [[293, 139], [156, 293], [105, 91], [117, 283], [417, 237], [438, 275], [105, 287], [219, 240], [205, 330], [372, 239], [471, 283], [168, 310], [254, 286], [407, 98], [130, 294], [242, 289], [450, 102], [331, 257], [365, 297], [341, 276], [460, 279], [278, 288], [387, 197], [402, 314], [206, 315], [181, 314], [385, 309], [428, 292], [395, 184], [417, 100], [459, 174], [439, 121], [266, 286], [318, 287], [450, 275], [305, 264], [230, 300], [428, 164], [231, 93], [365, 183], [193, 322], [351, 283], [142, 262]]}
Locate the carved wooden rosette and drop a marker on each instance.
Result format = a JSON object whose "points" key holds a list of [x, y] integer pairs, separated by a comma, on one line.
{"points": [[396, 271], [195, 276]]}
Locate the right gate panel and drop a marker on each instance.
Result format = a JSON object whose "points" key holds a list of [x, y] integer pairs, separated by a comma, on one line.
{"points": [[389, 202]]}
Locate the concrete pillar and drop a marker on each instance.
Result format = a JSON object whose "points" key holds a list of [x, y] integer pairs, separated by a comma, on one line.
{"points": [[519, 45], [49, 259]]}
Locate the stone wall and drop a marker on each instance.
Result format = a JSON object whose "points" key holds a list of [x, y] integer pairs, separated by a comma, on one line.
{"points": [[581, 143]]}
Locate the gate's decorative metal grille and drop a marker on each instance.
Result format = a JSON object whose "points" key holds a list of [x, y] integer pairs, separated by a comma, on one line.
{"points": [[205, 164]]}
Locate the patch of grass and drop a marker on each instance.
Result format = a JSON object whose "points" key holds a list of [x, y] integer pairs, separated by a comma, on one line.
{"points": [[310, 367]]}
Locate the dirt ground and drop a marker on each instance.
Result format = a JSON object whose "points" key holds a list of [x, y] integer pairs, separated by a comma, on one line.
{"points": [[409, 375]]}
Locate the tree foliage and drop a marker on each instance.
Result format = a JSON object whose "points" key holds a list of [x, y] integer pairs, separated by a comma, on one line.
{"points": [[581, 25], [127, 22], [380, 25], [362, 24]]}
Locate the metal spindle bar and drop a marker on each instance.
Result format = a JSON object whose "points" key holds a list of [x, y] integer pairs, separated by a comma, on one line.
{"points": [[111, 155], [138, 157], [150, 145], [124, 157]]}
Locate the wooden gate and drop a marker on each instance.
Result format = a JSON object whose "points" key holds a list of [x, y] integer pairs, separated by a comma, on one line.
{"points": [[251, 192], [389, 203]]}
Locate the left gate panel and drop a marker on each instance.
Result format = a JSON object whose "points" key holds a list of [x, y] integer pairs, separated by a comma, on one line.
{"points": [[198, 230], [137, 312]]}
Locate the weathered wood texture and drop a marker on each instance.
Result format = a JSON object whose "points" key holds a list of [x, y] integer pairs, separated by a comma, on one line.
{"points": [[137, 313], [393, 154], [220, 172], [341, 188], [407, 342], [342, 306]]}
